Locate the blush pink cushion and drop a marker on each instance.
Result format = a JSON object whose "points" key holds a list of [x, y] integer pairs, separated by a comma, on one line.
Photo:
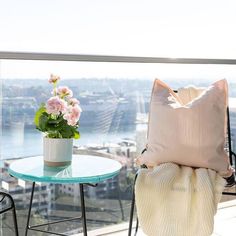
{"points": [[190, 133]]}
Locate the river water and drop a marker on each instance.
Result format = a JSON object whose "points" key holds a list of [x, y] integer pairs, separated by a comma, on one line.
{"points": [[22, 142]]}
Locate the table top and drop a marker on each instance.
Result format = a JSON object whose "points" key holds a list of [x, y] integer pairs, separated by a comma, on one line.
{"points": [[83, 169]]}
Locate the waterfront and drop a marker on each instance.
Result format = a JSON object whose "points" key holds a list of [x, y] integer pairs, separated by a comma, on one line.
{"points": [[23, 142]]}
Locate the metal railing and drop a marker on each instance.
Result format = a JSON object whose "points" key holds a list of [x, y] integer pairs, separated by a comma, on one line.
{"points": [[108, 58]]}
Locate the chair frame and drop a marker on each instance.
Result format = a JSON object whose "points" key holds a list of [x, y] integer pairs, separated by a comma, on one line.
{"points": [[12, 207], [230, 181]]}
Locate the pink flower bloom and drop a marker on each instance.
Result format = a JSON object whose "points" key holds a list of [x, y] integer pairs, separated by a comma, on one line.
{"points": [[76, 111], [53, 79], [64, 92], [72, 115], [55, 105], [73, 101], [72, 122]]}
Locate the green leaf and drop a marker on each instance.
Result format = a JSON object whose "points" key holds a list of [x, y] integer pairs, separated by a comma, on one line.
{"points": [[53, 134], [67, 132], [42, 124], [56, 120], [38, 114], [76, 134]]}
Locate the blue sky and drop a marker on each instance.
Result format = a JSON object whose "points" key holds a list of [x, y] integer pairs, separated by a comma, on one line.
{"points": [[162, 28]]}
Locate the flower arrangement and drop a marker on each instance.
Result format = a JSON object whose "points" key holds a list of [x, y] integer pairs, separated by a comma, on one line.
{"points": [[59, 117]]}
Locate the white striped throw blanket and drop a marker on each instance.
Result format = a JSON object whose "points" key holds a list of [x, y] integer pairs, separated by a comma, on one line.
{"points": [[175, 200]]}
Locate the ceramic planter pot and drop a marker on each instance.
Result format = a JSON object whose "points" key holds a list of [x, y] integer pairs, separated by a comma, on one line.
{"points": [[57, 151]]}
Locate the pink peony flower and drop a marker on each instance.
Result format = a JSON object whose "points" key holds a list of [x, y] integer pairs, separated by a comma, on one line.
{"points": [[64, 92], [55, 105], [53, 79], [72, 115]]}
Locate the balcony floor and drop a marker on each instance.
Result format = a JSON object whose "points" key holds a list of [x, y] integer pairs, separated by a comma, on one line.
{"points": [[225, 221]]}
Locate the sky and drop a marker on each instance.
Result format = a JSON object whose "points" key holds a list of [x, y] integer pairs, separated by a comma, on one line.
{"points": [[160, 28]]}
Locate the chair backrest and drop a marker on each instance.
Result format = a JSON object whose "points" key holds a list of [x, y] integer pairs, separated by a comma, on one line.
{"points": [[232, 157], [231, 153]]}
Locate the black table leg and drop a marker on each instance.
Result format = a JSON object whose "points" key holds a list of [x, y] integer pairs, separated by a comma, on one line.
{"points": [[29, 212], [15, 220], [81, 186], [83, 216]]}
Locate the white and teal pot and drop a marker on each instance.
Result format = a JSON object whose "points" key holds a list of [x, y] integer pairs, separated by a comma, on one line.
{"points": [[57, 151]]}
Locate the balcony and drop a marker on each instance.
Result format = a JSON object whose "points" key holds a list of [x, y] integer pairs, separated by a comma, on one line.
{"points": [[181, 42], [224, 223], [117, 131]]}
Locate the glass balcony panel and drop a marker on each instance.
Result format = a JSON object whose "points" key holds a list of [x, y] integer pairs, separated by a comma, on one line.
{"points": [[115, 101]]}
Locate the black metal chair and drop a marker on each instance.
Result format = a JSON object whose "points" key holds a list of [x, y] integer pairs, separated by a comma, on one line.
{"points": [[9, 206], [230, 181]]}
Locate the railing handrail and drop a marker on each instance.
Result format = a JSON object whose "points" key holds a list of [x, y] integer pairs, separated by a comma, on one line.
{"points": [[7, 55]]}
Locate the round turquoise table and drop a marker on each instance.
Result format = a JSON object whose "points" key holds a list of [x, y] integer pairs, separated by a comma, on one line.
{"points": [[84, 169]]}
